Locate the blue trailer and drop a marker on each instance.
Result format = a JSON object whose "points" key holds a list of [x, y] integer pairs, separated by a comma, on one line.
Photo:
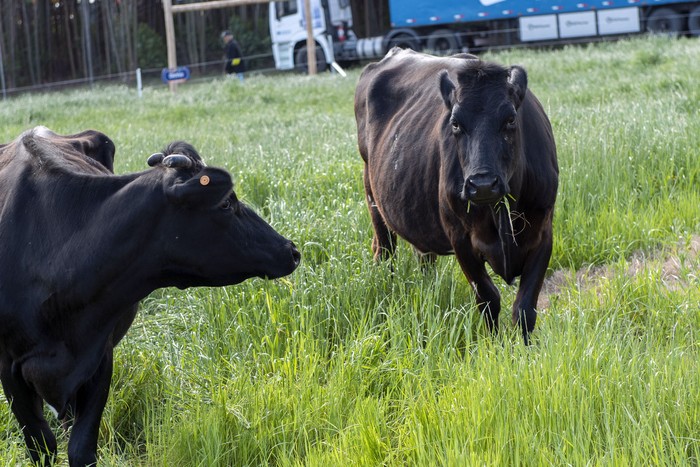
{"points": [[347, 30]]}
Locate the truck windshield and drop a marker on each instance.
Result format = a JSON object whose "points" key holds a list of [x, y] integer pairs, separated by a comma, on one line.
{"points": [[285, 8]]}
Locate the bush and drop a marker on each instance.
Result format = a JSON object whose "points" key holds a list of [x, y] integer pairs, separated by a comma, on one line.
{"points": [[150, 48]]}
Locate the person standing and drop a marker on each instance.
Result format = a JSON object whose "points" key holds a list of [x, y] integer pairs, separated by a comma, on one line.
{"points": [[234, 57]]}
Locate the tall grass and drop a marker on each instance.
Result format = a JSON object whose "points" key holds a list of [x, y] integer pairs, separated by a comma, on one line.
{"points": [[348, 362]]}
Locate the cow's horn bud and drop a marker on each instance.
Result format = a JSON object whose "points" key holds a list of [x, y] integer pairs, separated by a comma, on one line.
{"points": [[155, 159], [177, 161]]}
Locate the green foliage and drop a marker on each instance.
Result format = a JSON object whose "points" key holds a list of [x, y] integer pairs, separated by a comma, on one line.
{"points": [[150, 48], [254, 37], [348, 362]]}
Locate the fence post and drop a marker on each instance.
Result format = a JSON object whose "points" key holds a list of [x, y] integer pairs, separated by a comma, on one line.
{"points": [[139, 83]]}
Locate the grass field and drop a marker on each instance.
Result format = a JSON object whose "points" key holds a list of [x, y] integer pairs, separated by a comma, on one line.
{"points": [[345, 363]]}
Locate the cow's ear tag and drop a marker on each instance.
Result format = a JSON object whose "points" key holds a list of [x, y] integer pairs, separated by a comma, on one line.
{"points": [[204, 180]]}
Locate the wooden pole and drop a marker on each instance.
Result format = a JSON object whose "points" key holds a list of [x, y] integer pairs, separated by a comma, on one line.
{"points": [[213, 5], [310, 42], [170, 39]]}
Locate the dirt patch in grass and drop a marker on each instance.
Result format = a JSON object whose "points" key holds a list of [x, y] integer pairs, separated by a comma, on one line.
{"points": [[676, 267]]}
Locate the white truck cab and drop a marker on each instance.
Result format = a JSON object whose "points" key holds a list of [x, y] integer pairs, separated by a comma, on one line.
{"points": [[331, 20]]}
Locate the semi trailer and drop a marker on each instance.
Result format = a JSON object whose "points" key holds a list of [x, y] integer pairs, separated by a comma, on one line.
{"points": [[349, 30]]}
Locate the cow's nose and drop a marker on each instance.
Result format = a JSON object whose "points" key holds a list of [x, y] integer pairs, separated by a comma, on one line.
{"points": [[482, 188], [296, 256]]}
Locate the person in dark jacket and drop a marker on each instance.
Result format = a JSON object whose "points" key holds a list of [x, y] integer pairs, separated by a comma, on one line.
{"points": [[234, 57]]}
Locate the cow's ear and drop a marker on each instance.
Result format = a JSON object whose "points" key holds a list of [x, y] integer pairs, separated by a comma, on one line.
{"points": [[447, 89], [517, 78], [206, 189]]}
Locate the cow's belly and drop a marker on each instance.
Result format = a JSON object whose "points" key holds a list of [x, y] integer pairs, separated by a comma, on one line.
{"points": [[413, 216]]}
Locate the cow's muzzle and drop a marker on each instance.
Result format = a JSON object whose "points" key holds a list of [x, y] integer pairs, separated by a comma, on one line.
{"points": [[296, 256], [483, 189]]}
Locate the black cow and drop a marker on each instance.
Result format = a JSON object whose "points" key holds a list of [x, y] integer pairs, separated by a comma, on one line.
{"points": [[79, 247], [460, 158]]}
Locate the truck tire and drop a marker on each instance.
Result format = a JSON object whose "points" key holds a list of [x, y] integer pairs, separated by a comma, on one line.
{"points": [[405, 41], [301, 61], [694, 21], [665, 21], [442, 42]]}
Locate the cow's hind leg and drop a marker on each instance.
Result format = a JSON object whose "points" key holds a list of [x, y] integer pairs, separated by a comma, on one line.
{"points": [[384, 241], [28, 409], [88, 407]]}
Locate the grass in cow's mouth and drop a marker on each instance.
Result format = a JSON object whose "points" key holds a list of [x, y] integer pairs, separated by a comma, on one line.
{"points": [[505, 203]]}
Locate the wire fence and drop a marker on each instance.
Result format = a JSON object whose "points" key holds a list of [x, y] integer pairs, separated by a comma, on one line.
{"points": [[264, 64], [260, 64]]}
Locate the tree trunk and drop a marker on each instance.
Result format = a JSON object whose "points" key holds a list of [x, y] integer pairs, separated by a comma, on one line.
{"points": [[70, 46], [3, 53], [29, 64], [86, 40]]}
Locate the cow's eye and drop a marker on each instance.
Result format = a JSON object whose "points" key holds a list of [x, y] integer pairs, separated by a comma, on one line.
{"points": [[510, 123], [456, 128]]}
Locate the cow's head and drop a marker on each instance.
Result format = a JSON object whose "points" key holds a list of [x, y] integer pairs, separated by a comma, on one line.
{"points": [[208, 236], [482, 127]]}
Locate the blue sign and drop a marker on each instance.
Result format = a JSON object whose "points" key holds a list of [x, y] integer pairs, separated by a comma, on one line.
{"points": [[181, 73]]}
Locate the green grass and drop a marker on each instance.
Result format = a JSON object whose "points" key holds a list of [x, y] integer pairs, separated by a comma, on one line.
{"points": [[347, 363]]}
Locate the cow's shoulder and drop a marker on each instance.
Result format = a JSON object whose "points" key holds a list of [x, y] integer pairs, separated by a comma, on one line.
{"points": [[7, 152], [48, 152], [403, 79]]}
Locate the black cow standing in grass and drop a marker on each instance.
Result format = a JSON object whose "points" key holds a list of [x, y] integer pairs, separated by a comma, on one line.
{"points": [[79, 247], [460, 158]]}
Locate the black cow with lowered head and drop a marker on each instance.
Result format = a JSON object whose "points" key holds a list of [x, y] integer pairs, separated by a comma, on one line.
{"points": [[80, 246], [460, 158]]}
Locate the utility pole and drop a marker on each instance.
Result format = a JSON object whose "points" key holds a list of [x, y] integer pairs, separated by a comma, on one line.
{"points": [[310, 42], [170, 39]]}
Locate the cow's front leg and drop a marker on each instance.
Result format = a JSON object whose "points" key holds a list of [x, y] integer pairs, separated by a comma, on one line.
{"points": [[88, 407], [28, 409], [384, 241], [534, 270], [487, 297]]}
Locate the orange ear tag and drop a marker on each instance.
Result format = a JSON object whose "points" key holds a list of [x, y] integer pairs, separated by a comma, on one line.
{"points": [[204, 180]]}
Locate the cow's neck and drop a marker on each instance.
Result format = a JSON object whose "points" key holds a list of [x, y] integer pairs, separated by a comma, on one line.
{"points": [[106, 256]]}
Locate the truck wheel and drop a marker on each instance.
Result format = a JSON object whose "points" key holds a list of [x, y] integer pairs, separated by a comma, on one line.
{"points": [[301, 63], [405, 41], [665, 21], [442, 42], [694, 21]]}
